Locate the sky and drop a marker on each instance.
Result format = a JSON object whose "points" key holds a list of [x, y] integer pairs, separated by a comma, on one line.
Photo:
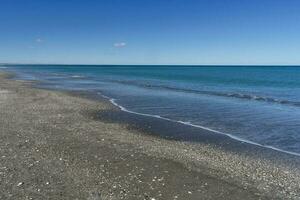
{"points": [[196, 32]]}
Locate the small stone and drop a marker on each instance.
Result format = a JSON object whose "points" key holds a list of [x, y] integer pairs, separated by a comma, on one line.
{"points": [[19, 184]]}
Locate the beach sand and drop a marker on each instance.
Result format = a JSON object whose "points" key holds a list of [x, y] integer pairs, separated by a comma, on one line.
{"points": [[62, 145]]}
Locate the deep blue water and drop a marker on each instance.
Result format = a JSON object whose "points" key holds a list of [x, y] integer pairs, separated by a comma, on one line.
{"points": [[257, 104]]}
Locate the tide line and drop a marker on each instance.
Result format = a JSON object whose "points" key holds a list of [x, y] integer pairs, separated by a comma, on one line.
{"points": [[113, 101]]}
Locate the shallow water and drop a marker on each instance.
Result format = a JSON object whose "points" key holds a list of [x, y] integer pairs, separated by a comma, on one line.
{"points": [[256, 104]]}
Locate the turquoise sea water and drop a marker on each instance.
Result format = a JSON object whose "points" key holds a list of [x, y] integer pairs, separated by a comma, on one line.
{"points": [[254, 104]]}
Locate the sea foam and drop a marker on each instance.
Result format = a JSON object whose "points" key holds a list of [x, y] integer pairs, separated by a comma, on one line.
{"points": [[113, 101]]}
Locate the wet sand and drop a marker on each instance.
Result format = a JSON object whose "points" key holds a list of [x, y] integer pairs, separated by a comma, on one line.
{"points": [[62, 145]]}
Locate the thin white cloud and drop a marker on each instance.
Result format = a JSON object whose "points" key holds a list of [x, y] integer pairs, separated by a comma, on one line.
{"points": [[120, 44], [38, 40]]}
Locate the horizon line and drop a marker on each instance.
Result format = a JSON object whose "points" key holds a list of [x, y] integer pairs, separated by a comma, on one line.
{"points": [[241, 65]]}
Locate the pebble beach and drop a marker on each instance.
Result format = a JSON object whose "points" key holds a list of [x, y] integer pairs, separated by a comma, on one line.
{"points": [[63, 145]]}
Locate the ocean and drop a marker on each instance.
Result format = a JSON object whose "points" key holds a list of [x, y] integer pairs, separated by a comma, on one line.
{"points": [[254, 104]]}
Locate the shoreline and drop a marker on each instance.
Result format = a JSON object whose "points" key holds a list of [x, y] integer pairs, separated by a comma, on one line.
{"points": [[187, 123], [140, 123], [113, 101], [227, 171], [41, 85]]}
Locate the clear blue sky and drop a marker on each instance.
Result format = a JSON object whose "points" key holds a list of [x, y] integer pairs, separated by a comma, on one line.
{"points": [[150, 31]]}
